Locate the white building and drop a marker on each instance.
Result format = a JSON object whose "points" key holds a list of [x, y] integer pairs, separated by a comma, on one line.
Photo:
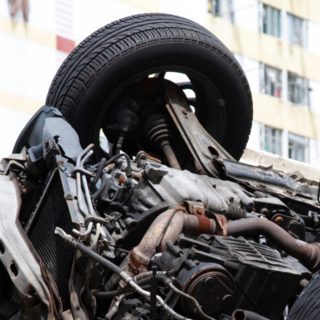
{"points": [[275, 41]]}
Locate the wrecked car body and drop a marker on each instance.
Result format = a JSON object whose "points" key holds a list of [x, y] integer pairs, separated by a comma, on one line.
{"points": [[178, 230]]}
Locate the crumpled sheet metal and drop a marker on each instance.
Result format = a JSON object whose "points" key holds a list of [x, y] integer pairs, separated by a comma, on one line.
{"points": [[270, 180], [17, 256]]}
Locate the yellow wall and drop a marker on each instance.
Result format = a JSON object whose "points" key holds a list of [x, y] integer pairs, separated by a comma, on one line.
{"points": [[275, 113], [279, 54], [18, 102], [261, 47], [27, 32], [265, 48]]}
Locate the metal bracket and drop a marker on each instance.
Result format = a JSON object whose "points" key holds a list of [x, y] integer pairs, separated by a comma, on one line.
{"points": [[201, 144], [16, 254]]}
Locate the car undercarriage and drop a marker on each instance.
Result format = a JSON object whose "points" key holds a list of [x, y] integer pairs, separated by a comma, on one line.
{"points": [[165, 224]]}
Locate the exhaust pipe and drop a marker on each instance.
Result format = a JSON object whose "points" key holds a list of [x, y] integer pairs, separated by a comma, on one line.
{"points": [[307, 253], [167, 226], [247, 315]]}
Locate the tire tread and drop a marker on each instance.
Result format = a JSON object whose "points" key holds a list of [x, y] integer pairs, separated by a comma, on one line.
{"points": [[108, 44]]}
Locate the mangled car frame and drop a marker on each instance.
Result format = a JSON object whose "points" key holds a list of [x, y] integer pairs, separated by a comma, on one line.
{"points": [[166, 223]]}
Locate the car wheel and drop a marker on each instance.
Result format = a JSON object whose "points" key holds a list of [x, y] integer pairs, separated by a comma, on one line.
{"points": [[105, 64]]}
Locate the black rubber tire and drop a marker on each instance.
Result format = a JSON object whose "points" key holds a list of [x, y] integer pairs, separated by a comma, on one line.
{"points": [[307, 305], [110, 59]]}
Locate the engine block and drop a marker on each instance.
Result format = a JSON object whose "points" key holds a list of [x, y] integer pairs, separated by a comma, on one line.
{"points": [[263, 279]]}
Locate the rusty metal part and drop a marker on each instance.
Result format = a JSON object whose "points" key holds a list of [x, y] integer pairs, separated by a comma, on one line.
{"points": [[23, 266], [114, 268], [247, 315], [210, 284], [278, 220], [81, 282], [307, 253], [198, 209], [171, 157], [145, 155], [200, 143], [167, 226], [266, 159], [267, 179], [221, 224]]}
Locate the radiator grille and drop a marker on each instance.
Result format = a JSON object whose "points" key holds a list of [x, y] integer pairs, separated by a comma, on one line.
{"points": [[56, 254]]}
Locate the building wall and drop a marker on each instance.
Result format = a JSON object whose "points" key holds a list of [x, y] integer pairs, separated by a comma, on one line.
{"points": [[33, 51], [253, 48]]}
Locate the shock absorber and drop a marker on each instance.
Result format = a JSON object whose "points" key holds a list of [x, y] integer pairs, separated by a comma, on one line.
{"points": [[161, 133]]}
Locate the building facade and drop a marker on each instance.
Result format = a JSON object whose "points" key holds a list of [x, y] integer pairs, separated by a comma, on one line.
{"points": [[276, 44], [274, 41]]}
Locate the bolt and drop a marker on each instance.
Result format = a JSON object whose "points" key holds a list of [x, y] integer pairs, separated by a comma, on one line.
{"points": [[278, 220], [68, 196], [184, 111], [209, 282], [250, 205], [121, 180], [61, 162], [280, 174], [264, 211]]}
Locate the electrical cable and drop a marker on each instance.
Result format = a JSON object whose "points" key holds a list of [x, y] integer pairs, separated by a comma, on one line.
{"points": [[114, 268], [172, 287], [119, 156], [99, 173]]}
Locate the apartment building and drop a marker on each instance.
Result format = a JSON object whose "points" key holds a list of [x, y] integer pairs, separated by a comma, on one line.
{"points": [[277, 44], [275, 41]]}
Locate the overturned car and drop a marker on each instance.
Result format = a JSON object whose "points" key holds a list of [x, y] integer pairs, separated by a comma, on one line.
{"points": [[166, 223]]}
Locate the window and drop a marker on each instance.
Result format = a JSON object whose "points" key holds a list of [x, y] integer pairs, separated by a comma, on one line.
{"points": [[273, 140], [297, 89], [271, 21], [221, 8], [297, 147], [271, 81], [297, 30]]}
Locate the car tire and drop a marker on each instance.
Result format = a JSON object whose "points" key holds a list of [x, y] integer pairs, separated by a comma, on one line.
{"points": [[307, 305], [115, 56]]}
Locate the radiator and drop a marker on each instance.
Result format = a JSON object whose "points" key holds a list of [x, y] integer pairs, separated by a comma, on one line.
{"points": [[56, 254]]}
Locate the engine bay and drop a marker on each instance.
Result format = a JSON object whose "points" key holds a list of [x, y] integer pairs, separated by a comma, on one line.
{"points": [[184, 234]]}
